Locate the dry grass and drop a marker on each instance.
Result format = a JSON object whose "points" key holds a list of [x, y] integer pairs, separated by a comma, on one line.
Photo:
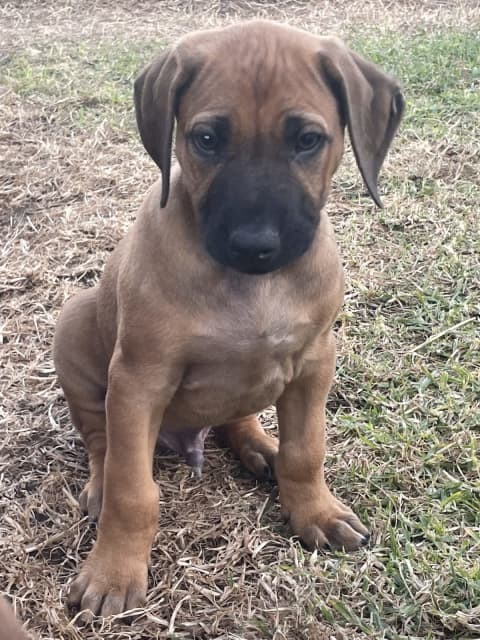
{"points": [[404, 414], [31, 22]]}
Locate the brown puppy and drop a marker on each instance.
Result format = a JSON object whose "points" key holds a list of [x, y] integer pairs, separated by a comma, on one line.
{"points": [[221, 299]]}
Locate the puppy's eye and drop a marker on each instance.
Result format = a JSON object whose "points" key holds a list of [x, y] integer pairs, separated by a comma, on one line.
{"points": [[308, 141], [206, 140]]}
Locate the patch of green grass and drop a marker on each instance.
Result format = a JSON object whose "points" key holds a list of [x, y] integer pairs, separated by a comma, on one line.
{"points": [[408, 395], [440, 74], [406, 407], [91, 82]]}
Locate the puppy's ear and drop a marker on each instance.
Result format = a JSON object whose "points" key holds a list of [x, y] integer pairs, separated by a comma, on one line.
{"points": [[370, 102], [157, 92]]}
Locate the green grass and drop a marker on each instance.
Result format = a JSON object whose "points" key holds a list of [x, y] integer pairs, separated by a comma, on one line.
{"points": [[408, 389], [405, 409], [409, 376], [440, 73], [95, 80]]}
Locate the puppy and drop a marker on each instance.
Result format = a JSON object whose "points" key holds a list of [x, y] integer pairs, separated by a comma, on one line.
{"points": [[220, 301]]}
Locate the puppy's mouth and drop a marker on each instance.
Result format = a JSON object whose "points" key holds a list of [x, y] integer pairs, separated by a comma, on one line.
{"points": [[254, 267]]}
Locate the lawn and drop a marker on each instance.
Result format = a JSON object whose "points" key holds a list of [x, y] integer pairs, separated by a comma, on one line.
{"points": [[404, 414]]}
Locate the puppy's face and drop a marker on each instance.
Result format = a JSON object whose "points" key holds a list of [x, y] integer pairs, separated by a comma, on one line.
{"points": [[258, 139], [261, 110]]}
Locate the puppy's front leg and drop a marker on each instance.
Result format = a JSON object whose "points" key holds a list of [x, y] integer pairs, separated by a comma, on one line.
{"points": [[314, 514], [114, 576]]}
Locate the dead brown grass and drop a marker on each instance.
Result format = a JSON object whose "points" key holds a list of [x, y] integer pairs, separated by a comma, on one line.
{"points": [[30, 22], [223, 565]]}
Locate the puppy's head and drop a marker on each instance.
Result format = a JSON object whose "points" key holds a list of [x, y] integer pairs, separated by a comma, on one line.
{"points": [[261, 110]]}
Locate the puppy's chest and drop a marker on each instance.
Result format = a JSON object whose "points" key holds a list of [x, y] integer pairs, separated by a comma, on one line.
{"points": [[247, 350], [241, 364]]}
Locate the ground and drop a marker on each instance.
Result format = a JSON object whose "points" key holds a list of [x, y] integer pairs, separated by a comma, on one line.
{"points": [[404, 413]]}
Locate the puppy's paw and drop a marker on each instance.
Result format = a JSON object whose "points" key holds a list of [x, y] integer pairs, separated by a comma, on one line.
{"points": [[91, 497], [108, 584], [327, 524], [259, 456]]}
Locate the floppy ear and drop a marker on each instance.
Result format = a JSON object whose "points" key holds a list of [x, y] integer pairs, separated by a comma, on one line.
{"points": [[371, 103], [157, 92]]}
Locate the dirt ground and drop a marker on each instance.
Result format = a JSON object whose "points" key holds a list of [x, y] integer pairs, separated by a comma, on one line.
{"points": [[404, 412]]}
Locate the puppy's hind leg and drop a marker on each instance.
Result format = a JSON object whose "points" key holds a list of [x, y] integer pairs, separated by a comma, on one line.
{"points": [[249, 442], [92, 429], [81, 367]]}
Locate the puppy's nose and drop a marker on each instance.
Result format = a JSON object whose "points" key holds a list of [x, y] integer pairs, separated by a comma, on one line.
{"points": [[257, 244]]}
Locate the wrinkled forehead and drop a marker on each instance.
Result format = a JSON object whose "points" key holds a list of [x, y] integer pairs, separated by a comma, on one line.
{"points": [[257, 83]]}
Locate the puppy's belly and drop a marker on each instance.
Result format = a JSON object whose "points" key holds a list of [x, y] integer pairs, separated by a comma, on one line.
{"points": [[214, 393]]}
